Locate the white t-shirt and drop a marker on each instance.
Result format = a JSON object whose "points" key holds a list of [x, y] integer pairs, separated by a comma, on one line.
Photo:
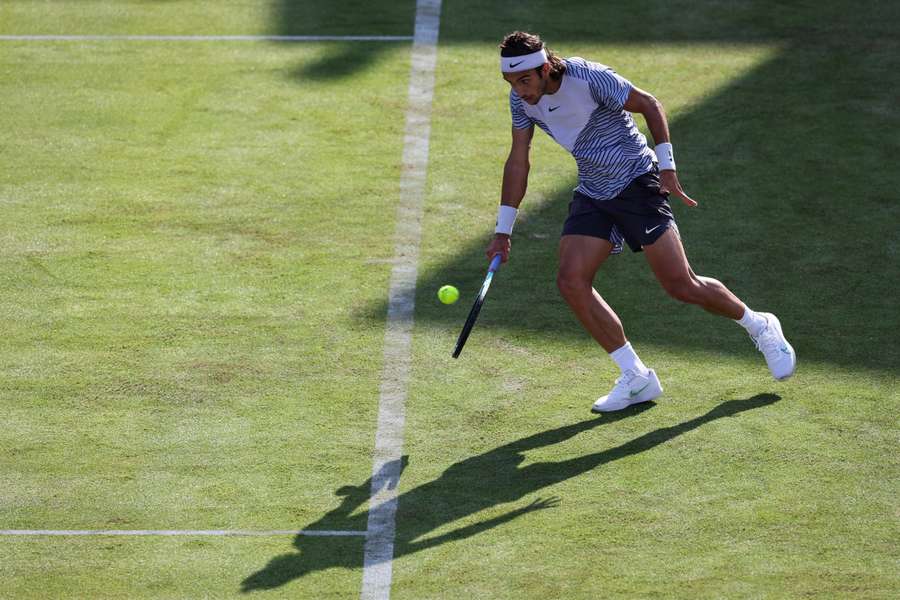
{"points": [[586, 117]]}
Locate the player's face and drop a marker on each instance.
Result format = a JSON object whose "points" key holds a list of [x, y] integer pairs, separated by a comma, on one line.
{"points": [[528, 85]]}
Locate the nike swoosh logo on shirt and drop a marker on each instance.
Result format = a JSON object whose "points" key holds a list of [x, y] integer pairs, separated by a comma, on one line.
{"points": [[651, 229], [552, 108], [514, 65]]}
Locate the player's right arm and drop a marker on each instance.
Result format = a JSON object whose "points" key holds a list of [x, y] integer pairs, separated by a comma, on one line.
{"points": [[515, 182], [515, 172]]}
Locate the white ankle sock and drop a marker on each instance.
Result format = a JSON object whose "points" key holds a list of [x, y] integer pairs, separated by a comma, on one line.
{"points": [[627, 359], [753, 322]]}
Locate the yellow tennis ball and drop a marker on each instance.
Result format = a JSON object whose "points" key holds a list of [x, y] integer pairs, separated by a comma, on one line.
{"points": [[448, 294]]}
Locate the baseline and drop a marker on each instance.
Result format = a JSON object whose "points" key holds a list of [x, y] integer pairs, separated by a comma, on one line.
{"points": [[206, 38], [179, 532]]}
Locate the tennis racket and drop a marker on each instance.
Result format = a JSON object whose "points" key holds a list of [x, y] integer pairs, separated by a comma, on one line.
{"points": [[476, 308]]}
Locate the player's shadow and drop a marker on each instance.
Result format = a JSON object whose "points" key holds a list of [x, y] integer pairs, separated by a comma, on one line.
{"points": [[466, 488]]}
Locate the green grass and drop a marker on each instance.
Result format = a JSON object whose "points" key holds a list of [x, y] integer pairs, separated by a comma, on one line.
{"points": [[159, 567], [195, 254], [179, 351]]}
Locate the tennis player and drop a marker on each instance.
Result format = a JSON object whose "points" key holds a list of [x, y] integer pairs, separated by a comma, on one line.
{"points": [[621, 198]]}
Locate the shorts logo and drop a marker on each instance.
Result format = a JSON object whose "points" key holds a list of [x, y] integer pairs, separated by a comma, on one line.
{"points": [[651, 229], [552, 108]]}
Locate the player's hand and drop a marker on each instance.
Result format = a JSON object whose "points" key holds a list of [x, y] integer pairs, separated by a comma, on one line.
{"points": [[668, 184], [499, 245], [542, 503]]}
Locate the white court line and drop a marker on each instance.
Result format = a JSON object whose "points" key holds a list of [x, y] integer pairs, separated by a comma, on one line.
{"points": [[206, 38], [179, 532], [387, 463]]}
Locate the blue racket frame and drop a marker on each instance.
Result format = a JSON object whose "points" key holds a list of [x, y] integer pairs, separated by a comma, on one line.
{"points": [[476, 307]]}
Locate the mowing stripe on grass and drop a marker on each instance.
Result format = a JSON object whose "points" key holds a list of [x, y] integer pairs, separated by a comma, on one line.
{"points": [[388, 460], [206, 38], [177, 532]]}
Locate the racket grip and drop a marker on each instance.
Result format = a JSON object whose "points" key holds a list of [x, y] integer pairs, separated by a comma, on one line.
{"points": [[495, 263]]}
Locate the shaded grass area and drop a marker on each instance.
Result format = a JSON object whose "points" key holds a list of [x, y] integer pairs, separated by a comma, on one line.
{"points": [[677, 21], [785, 157]]}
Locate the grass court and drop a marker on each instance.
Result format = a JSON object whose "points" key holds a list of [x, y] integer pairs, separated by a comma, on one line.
{"points": [[195, 252]]}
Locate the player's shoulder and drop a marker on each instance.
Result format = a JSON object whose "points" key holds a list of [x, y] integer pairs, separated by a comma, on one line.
{"points": [[581, 68]]}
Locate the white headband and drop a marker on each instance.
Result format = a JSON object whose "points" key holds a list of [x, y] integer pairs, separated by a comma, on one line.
{"points": [[514, 64]]}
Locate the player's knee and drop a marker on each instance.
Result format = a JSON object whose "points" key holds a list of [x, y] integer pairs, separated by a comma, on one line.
{"points": [[572, 285], [684, 289]]}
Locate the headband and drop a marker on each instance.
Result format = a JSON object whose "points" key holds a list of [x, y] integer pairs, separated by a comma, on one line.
{"points": [[514, 64]]}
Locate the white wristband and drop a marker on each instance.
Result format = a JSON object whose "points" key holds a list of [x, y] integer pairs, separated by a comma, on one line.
{"points": [[666, 157], [506, 218]]}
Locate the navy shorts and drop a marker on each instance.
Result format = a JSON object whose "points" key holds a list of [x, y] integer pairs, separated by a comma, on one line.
{"points": [[639, 215]]}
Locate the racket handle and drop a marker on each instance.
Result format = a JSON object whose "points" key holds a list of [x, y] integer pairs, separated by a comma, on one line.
{"points": [[495, 263]]}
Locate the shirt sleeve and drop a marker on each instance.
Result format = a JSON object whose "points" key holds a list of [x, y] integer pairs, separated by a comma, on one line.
{"points": [[519, 119], [608, 87]]}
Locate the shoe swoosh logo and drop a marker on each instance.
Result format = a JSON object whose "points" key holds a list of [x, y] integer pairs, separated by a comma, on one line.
{"points": [[652, 229], [633, 394], [514, 65], [551, 109]]}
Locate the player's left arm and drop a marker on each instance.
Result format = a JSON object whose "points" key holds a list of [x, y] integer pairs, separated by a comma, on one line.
{"points": [[643, 102]]}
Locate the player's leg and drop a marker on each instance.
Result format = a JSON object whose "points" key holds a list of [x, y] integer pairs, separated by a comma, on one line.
{"points": [[580, 257], [670, 265]]}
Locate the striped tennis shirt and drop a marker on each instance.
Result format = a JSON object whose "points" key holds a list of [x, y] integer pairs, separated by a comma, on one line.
{"points": [[586, 116]]}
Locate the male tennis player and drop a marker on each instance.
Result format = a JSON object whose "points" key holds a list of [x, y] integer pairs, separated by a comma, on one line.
{"points": [[621, 197]]}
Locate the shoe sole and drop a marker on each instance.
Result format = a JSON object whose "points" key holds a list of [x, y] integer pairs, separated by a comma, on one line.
{"points": [[646, 396], [789, 347]]}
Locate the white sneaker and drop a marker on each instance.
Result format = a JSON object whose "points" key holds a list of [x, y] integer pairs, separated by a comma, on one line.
{"points": [[780, 355], [631, 388]]}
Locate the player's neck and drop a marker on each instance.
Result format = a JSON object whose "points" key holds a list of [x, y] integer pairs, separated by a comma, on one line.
{"points": [[553, 85]]}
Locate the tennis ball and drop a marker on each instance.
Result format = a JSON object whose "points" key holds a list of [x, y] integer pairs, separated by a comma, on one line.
{"points": [[448, 294]]}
